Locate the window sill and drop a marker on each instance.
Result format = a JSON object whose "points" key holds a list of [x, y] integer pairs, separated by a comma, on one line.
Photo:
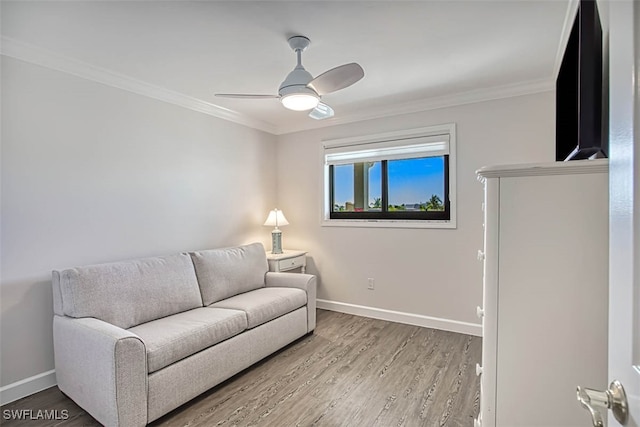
{"points": [[386, 223]]}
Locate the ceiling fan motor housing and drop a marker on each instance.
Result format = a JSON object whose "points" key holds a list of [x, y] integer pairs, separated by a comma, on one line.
{"points": [[296, 82], [294, 93], [298, 79]]}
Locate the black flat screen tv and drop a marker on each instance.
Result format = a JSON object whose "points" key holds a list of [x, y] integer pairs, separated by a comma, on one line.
{"points": [[579, 90]]}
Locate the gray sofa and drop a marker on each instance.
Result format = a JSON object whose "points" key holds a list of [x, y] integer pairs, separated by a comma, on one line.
{"points": [[134, 340]]}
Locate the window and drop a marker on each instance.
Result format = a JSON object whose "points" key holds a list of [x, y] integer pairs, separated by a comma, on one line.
{"points": [[397, 179]]}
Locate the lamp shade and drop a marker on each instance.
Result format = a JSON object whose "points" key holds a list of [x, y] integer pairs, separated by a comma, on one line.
{"points": [[276, 219]]}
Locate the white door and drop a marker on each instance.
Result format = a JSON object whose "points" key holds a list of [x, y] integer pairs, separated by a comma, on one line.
{"points": [[624, 205], [624, 225]]}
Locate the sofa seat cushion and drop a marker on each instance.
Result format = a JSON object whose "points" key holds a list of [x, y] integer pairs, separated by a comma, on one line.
{"points": [[173, 338], [265, 304]]}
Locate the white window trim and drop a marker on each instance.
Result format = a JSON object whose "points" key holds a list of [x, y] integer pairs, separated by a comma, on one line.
{"points": [[448, 128]]}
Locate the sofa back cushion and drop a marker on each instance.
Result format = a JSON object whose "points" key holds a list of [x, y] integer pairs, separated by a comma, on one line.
{"points": [[129, 293], [223, 273]]}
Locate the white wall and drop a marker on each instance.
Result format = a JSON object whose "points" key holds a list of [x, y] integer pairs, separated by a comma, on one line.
{"points": [[95, 174], [429, 272], [92, 174]]}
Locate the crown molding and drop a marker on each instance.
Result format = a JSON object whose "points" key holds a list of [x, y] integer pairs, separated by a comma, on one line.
{"points": [[450, 100], [45, 58]]}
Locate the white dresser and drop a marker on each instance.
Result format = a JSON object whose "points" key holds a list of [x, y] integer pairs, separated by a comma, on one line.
{"points": [[545, 298]]}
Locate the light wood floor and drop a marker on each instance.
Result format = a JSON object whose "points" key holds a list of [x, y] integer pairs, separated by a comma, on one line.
{"points": [[353, 371]]}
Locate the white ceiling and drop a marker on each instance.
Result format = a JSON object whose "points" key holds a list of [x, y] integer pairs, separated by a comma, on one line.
{"points": [[412, 51]]}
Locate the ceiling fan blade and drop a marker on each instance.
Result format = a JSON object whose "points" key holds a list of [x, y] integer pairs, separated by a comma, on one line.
{"points": [[321, 112], [337, 78], [246, 96]]}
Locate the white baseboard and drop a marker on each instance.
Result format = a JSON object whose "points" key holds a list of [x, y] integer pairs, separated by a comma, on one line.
{"points": [[27, 386], [402, 317]]}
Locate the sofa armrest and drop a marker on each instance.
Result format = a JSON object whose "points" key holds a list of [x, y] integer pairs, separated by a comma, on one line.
{"points": [[306, 282], [103, 368]]}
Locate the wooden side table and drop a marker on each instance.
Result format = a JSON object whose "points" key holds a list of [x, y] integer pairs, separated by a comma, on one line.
{"points": [[287, 260]]}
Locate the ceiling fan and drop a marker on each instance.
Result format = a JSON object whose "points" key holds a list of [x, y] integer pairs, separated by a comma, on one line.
{"points": [[300, 91]]}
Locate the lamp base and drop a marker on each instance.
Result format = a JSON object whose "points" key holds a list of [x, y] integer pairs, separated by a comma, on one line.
{"points": [[276, 242]]}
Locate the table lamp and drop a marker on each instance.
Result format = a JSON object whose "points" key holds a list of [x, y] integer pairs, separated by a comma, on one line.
{"points": [[276, 218]]}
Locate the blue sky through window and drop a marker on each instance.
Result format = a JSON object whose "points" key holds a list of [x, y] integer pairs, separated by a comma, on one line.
{"points": [[410, 181], [415, 180]]}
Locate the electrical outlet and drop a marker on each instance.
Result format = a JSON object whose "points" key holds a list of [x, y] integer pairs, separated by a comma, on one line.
{"points": [[371, 284]]}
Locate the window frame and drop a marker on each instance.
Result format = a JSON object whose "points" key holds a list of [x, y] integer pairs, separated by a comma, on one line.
{"points": [[385, 218]]}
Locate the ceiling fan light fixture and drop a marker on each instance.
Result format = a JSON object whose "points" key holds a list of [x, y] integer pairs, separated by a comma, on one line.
{"points": [[300, 101]]}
